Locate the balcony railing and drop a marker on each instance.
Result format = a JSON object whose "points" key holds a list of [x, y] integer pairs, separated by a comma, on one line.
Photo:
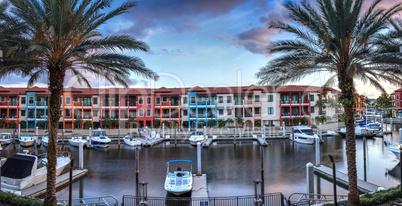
{"points": [[294, 101]]}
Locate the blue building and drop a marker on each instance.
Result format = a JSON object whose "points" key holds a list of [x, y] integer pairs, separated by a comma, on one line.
{"points": [[36, 107], [201, 107]]}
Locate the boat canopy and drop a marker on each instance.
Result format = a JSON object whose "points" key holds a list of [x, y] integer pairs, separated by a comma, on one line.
{"points": [[180, 161], [196, 133], [18, 166]]}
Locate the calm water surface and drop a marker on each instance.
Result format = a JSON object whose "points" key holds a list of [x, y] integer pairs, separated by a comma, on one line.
{"points": [[230, 169]]}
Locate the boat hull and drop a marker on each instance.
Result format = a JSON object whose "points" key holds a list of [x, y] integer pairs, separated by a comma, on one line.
{"points": [[132, 143], [195, 142], [6, 142], [179, 192], [27, 143], [100, 144], [76, 143], [359, 135]]}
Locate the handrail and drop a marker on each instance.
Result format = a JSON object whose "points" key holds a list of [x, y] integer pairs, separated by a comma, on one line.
{"points": [[320, 198], [87, 201]]}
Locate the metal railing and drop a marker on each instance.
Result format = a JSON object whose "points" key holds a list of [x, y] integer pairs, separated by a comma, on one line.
{"points": [[300, 199], [89, 201], [274, 199]]}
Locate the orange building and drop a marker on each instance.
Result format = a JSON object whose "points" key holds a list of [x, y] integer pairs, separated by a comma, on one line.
{"points": [[360, 105]]}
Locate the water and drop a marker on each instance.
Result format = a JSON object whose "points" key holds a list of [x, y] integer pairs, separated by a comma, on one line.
{"points": [[230, 169]]}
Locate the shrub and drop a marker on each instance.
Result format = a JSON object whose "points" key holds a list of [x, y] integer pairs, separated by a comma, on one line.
{"points": [[87, 124], [157, 123], [96, 125], [23, 124], [201, 124], [7, 197], [257, 123], [41, 124], [211, 123], [185, 124], [12, 125], [60, 125], [77, 123]]}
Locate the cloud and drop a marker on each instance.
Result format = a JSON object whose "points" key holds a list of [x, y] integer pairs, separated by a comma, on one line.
{"points": [[257, 39], [176, 15], [172, 52]]}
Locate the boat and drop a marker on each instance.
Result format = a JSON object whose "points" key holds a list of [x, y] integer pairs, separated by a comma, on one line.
{"points": [[196, 137], [76, 139], [24, 170], [5, 138], [360, 132], [393, 148], [45, 139], [369, 124], [98, 138], [303, 134], [180, 181], [132, 141], [27, 140]]}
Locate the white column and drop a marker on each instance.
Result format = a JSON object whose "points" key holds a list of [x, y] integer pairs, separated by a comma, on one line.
{"points": [[320, 131], [19, 130], [263, 131], [205, 133], [37, 131], [81, 156], [310, 178], [283, 128], [163, 130], [199, 158], [317, 152]]}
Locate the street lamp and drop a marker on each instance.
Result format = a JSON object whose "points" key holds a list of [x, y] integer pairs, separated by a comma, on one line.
{"points": [[334, 178]]}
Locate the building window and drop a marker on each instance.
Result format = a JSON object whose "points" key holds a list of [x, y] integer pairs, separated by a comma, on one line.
{"points": [[164, 99], [270, 110], [95, 113], [148, 100], [199, 99], [140, 101], [157, 100], [257, 98], [220, 111], [312, 109], [148, 112], [184, 100], [23, 100], [192, 100], [68, 113], [249, 97], [397, 104], [312, 97], [141, 113], [23, 113], [229, 112], [75, 99], [397, 96], [185, 112], [270, 98], [229, 99], [220, 99], [257, 110], [68, 100], [30, 100], [95, 100], [3, 99]]}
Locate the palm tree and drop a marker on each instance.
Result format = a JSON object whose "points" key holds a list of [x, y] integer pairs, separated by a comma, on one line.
{"points": [[239, 120], [229, 121], [52, 38], [334, 37], [321, 105]]}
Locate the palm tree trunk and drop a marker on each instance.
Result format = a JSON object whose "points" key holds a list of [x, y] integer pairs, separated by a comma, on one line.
{"points": [[347, 88], [56, 79]]}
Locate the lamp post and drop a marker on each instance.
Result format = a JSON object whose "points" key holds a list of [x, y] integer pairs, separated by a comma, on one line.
{"points": [[334, 178]]}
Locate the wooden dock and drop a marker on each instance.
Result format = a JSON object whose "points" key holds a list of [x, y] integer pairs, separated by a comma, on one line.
{"points": [[342, 179], [152, 142], [207, 143], [199, 193], [262, 141], [61, 181]]}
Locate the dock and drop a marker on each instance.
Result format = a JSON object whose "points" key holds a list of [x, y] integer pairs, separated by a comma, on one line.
{"points": [[61, 181], [207, 143], [342, 180], [153, 142], [199, 193], [262, 141]]}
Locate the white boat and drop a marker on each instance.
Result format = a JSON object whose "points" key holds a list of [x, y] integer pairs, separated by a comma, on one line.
{"points": [[179, 181], [76, 139], [24, 170], [304, 135], [27, 140], [393, 148], [45, 139], [99, 139], [5, 138], [360, 132], [131, 141], [195, 138]]}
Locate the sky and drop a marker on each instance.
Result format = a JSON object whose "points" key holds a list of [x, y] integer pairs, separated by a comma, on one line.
{"points": [[203, 42]]}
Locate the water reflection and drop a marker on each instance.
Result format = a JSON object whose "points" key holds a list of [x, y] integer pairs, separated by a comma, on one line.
{"points": [[230, 169]]}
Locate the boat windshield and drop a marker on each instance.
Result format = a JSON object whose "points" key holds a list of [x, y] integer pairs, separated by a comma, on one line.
{"points": [[196, 133], [4, 136], [99, 133], [307, 131]]}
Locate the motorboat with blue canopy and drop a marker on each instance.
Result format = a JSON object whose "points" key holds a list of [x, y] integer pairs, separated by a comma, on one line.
{"points": [[196, 137], [179, 181]]}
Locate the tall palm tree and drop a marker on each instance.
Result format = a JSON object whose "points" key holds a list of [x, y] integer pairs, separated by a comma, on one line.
{"points": [[56, 37], [334, 37]]}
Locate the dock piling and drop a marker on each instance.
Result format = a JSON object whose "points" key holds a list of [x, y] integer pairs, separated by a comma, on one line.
{"points": [[263, 132], [310, 179], [175, 138], [163, 130], [62, 136], [70, 184], [205, 133], [118, 137], [317, 152], [334, 178], [137, 171], [390, 125], [400, 135], [199, 158], [81, 156], [382, 125], [37, 131], [257, 198], [320, 130], [19, 130], [364, 159], [262, 171], [283, 127]]}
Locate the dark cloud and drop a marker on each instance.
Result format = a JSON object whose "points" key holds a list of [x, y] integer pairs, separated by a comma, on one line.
{"points": [[176, 15], [257, 39]]}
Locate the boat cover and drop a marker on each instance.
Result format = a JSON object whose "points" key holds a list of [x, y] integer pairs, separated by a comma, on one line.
{"points": [[18, 166]]}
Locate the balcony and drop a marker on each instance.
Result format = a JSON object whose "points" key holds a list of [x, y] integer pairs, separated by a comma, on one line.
{"points": [[77, 116], [41, 104], [293, 102], [165, 104]]}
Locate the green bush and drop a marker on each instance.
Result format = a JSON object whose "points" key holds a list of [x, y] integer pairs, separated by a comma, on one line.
{"points": [[157, 123], [87, 124], [201, 124], [23, 124], [185, 124], [7, 198], [257, 123], [96, 125], [41, 124], [211, 123], [60, 125], [12, 125]]}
